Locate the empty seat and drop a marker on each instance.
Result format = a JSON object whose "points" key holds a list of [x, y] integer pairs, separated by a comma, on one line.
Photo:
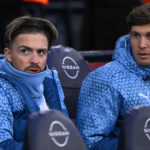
{"points": [[52, 130], [72, 69], [135, 129]]}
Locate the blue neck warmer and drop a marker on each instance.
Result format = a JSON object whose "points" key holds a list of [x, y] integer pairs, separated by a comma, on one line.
{"points": [[33, 82]]}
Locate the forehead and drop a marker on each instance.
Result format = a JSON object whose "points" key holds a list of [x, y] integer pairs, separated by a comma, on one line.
{"points": [[142, 29], [38, 40]]}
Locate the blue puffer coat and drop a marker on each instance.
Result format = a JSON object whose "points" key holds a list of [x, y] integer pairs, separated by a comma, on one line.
{"points": [[16, 104], [107, 93]]}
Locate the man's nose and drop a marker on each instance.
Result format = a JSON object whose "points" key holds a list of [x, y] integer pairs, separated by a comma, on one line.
{"points": [[35, 58], [143, 42]]}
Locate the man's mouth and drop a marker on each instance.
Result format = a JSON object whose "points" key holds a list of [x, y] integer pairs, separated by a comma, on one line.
{"points": [[144, 55], [33, 70]]}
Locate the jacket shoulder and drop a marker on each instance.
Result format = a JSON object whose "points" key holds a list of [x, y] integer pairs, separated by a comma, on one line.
{"points": [[107, 71]]}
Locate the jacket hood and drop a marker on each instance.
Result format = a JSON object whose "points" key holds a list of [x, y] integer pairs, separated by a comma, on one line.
{"points": [[123, 55]]}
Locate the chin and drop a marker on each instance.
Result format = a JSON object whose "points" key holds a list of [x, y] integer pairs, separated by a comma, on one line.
{"points": [[144, 64]]}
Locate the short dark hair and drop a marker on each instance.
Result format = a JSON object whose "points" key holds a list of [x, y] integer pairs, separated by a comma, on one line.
{"points": [[27, 24], [139, 15]]}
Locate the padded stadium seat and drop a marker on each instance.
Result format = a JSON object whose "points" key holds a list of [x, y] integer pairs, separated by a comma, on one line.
{"points": [[72, 69], [52, 130], [135, 130]]}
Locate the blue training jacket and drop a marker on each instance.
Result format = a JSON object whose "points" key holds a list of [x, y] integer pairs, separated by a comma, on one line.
{"points": [[16, 104], [107, 93]]}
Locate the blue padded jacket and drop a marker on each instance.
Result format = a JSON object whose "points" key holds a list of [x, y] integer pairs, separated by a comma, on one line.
{"points": [[16, 104], [107, 93]]}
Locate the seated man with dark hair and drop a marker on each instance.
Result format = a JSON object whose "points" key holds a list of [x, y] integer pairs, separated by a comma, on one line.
{"points": [[124, 83], [26, 83]]}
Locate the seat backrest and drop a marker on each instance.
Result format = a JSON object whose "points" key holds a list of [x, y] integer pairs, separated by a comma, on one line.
{"points": [[135, 129], [72, 69], [52, 130]]}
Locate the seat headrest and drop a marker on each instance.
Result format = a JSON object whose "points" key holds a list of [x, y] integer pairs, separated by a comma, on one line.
{"points": [[71, 66], [52, 130], [135, 129]]}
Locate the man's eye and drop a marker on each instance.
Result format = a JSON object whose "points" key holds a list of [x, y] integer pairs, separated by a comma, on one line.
{"points": [[42, 52], [25, 51], [148, 35], [135, 35]]}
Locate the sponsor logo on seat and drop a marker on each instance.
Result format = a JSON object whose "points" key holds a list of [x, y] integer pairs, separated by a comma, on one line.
{"points": [[70, 67], [147, 128], [58, 133]]}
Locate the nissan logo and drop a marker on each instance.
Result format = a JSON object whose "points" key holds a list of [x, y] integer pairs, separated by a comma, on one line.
{"points": [[59, 137], [70, 67], [147, 128]]}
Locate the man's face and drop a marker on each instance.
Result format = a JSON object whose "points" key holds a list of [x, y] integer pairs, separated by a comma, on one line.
{"points": [[140, 43], [28, 52]]}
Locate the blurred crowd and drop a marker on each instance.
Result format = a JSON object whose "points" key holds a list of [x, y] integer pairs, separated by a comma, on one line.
{"points": [[10, 9], [97, 26]]}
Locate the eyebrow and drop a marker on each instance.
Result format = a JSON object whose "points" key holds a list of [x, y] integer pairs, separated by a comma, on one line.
{"points": [[27, 47], [137, 32], [22, 46]]}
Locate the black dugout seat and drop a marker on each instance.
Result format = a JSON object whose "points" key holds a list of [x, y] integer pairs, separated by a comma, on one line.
{"points": [[135, 130], [52, 130], [72, 69]]}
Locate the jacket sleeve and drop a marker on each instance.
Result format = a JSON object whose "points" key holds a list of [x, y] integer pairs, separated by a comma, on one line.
{"points": [[6, 125], [11, 145], [97, 113]]}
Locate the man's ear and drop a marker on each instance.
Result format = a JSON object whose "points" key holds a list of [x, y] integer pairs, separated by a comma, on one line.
{"points": [[8, 54]]}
